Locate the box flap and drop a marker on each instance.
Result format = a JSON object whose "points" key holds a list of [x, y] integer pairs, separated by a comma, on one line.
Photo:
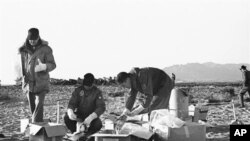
{"points": [[190, 129], [35, 128], [55, 130], [137, 134], [141, 134], [110, 135], [193, 124]]}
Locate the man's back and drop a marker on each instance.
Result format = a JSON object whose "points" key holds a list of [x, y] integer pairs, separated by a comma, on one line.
{"points": [[246, 78]]}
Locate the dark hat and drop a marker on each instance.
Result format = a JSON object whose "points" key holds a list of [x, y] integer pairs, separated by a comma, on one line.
{"points": [[243, 67], [33, 34], [121, 77], [88, 79]]}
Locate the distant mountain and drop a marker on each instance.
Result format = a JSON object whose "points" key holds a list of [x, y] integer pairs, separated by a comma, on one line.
{"points": [[206, 72]]}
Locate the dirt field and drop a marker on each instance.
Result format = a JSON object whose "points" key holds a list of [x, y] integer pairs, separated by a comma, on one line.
{"points": [[216, 98]]}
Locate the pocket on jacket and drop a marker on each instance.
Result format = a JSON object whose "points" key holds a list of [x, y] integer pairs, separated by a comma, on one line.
{"points": [[42, 81]]}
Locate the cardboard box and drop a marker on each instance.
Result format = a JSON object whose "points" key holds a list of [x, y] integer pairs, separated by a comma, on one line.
{"points": [[23, 124], [188, 119], [200, 113], [47, 132], [189, 132], [128, 132], [115, 137]]}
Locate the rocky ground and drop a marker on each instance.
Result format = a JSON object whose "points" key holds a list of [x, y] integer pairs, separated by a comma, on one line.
{"points": [[14, 107]]}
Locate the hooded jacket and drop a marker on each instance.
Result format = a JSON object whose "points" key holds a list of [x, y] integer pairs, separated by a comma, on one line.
{"points": [[36, 81]]}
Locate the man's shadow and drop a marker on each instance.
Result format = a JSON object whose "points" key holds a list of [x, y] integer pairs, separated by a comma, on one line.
{"points": [[218, 133]]}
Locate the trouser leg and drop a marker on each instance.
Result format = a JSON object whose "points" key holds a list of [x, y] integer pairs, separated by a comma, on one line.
{"points": [[36, 101], [31, 100], [241, 96], [241, 99], [161, 99], [37, 115], [95, 126]]}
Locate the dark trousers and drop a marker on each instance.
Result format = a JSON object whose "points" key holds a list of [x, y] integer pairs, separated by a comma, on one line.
{"points": [[94, 127], [36, 102], [161, 99], [242, 93]]}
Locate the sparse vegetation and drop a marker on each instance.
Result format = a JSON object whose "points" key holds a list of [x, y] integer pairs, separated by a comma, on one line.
{"points": [[217, 98]]}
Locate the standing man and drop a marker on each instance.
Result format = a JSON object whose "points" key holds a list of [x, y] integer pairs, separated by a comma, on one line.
{"points": [[154, 83], [246, 84], [37, 61], [84, 109]]}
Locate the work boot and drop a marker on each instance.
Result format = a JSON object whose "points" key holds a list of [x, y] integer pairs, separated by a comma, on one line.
{"points": [[241, 98]]}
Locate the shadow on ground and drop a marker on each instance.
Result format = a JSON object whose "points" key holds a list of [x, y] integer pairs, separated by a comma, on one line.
{"points": [[218, 133]]}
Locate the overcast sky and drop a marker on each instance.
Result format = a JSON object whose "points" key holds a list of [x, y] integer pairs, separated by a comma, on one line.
{"points": [[108, 36]]}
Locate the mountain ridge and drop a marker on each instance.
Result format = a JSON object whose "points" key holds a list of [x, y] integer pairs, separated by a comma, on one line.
{"points": [[206, 72]]}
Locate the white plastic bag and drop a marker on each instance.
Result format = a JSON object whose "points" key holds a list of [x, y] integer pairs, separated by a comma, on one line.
{"points": [[157, 114], [164, 118], [161, 121], [136, 130]]}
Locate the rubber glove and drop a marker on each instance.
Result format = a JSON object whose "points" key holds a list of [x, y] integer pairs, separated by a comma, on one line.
{"points": [[79, 128], [89, 119], [137, 110], [124, 114], [71, 114], [40, 67]]}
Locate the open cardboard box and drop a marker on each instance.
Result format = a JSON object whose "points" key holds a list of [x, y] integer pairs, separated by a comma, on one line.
{"points": [[115, 137], [46, 131], [191, 131], [129, 132]]}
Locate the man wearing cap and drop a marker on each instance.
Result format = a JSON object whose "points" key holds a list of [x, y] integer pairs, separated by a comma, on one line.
{"points": [[37, 61], [84, 109], [246, 84], [153, 83]]}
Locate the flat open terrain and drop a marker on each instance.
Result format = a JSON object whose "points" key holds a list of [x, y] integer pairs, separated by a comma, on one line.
{"points": [[216, 98]]}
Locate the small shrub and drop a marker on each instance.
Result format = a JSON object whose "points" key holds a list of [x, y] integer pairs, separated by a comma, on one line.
{"points": [[229, 90], [116, 94], [219, 97], [4, 97]]}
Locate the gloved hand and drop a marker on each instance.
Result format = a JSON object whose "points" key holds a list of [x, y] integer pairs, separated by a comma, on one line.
{"points": [[79, 128], [137, 110], [124, 114], [41, 66], [71, 114], [82, 127], [88, 120]]}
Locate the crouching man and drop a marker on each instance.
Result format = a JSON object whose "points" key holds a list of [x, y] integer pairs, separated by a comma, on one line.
{"points": [[84, 108]]}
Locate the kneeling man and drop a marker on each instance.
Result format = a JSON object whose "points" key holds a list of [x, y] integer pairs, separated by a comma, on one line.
{"points": [[84, 108]]}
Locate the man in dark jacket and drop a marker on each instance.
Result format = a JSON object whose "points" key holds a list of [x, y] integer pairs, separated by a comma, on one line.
{"points": [[154, 83], [246, 84], [37, 61], [85, 107]]}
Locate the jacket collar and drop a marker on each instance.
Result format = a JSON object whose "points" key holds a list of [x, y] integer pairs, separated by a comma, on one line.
{"points": [[26, 48]]}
